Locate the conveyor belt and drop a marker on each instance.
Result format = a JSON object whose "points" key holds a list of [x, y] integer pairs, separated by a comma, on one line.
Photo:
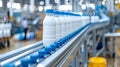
{"points": [[66, 51], [64, 55], [18, 53]]}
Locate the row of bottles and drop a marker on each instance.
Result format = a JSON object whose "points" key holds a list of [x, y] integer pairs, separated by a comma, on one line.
{"points": [[33, 59], [5, 30], [36, 57], [57, 24]]}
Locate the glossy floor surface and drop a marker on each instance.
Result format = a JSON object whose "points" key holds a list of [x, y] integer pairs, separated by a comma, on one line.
{"points": [[117, 50], [115, 62]]}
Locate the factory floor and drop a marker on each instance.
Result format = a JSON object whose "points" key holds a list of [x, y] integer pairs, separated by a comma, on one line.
{"points": [[114, 62], [117, 50], [16, 44]]}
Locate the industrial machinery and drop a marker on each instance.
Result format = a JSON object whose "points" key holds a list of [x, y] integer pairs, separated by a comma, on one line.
{"points": [[71, 50]]}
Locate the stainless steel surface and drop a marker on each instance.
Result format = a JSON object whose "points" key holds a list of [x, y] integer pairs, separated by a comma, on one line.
{"points": [[112, 34], [103, 38], [19, 51], [74, 50]]}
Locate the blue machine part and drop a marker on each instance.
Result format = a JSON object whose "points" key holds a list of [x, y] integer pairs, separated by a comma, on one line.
{"points": [[98, 7], [17, 14]]}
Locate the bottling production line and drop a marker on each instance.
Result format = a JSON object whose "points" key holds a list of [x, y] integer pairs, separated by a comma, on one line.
{"points": [[71, 50], [59, 33]]}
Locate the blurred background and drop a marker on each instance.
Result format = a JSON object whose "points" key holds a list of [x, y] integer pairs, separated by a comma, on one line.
{"points": [[20, 18]]}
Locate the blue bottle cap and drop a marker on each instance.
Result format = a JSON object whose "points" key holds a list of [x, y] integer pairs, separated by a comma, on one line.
{"points": [[48, 48], [67, 13], [58, 43], [25, 62], [63, 13], [84, 15], [54, 46], [49, 11], [47, 51], [67, 37], [60, 13], [33, 58], [9, 65], [61, 42], [70, 14], [64, 39], [70, 35], [56, 12], [42, 53]]}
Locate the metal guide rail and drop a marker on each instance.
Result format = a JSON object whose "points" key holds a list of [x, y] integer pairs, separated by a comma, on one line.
{"points": [[17, 52]]}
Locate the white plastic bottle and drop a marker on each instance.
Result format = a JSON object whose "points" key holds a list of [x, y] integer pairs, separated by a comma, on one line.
{"points": [[94, 19], [97, 18], [58, 25], [85, 20], [1, 30], [49, 28], [79, 19], [69, 22], [64, 24], [7, 29], [72, 21], [77, 22]]}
